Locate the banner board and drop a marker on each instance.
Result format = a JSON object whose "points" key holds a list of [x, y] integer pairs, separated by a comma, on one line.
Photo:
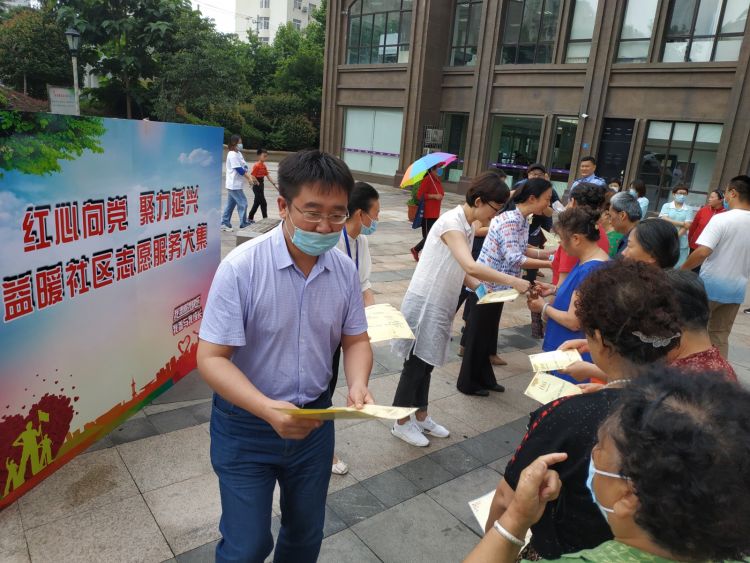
{"points": [[109, 241]]}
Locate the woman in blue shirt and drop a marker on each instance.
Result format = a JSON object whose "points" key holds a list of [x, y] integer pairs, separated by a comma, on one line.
{"points": [[578, 231], [680, 214]]}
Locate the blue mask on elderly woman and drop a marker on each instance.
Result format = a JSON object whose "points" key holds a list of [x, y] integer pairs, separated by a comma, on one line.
{"points": [[590, 485]]}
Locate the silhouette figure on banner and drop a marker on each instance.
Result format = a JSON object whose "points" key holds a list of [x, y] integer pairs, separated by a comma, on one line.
{"points": [[36, 452]]}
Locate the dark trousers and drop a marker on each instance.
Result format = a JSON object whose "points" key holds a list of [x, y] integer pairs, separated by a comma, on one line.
{"points": [[426, 226], [414, 386], [249, 457], [335, 370], [259, 201], [480, 343], [470, 302]]}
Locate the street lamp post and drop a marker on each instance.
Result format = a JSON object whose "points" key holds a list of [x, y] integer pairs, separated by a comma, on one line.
{"points": [[74, 41]]}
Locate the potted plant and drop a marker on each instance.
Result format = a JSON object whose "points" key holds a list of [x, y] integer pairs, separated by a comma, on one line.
{"points": [[413, 203]]}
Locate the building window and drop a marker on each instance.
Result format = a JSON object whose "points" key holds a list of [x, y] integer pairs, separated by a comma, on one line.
{"points": [[704, 30], [264, 4], [264, 40], [264, 23], [562, 151], [297, 4], [372, 139], [514, 144], [637, 27], [297, 24], [679, 153], [379, 31], [530, 29], [466, 33], [581, 31], [455, 127]]}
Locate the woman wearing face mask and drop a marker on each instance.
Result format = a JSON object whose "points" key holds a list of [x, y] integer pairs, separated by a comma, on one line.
{"points": [[505, 249], [714, 206], [579, 235], [680, 214], [364, 208], [429, 305], [431, 190], [625, 329], [237, 175], [668, 473], [638, 190]]}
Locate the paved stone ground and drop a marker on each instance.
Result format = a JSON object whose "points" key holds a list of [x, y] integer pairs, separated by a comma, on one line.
{"points": [[147, 491]]}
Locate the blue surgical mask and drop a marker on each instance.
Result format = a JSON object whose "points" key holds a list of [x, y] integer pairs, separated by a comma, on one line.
{"points": [[439, 172], [312, 243], [633, 193], [679, 198], [725, 204], [590, 485], [240, 146], [365, 230]]}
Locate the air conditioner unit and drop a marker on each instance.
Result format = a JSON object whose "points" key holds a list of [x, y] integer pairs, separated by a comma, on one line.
{"points": [[304, 9]]}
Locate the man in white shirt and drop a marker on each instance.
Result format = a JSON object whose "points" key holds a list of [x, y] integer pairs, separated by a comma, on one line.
{"points": [[724, 256]]}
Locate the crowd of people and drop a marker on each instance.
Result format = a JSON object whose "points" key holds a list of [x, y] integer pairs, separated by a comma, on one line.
{"points": [[649, 463]]}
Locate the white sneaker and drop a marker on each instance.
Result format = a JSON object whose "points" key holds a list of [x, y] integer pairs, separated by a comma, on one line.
{"points": [[431, 427], [226, 229], [339, 468], [410, 433]]}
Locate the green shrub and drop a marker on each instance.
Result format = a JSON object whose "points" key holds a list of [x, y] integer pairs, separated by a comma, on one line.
{"points": [[293, 133]]}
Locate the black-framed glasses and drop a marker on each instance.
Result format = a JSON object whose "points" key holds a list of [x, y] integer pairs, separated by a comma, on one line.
{"points": [[315, 217], [497, 211]]}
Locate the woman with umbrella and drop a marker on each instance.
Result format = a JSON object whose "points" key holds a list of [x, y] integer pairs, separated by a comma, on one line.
{"points": [[431, 191], [430, 301]]}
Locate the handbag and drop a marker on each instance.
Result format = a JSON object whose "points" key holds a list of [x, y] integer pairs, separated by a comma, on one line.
{"points": [[419, 217]]}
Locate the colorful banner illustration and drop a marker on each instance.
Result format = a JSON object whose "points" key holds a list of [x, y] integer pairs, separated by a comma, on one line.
{"points": [[108, 244]]}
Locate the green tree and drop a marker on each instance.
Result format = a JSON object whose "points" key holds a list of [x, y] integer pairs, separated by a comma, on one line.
{"points": [[204, 72], [33, 52], [35, 143], [128, 36]]}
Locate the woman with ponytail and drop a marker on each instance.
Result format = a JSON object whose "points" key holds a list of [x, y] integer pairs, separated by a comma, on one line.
{"points": [[579, 235]]}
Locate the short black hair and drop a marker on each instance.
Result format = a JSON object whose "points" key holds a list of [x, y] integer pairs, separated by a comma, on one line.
{"points": [[683, 442], [659, 238], [261, 151], [580, 221], [679, 187], [615, 181], [741, 184], [537, 166], [324, 171], [362, 197], [588, 158], [625, 298], [488, 186], [534, 187], [639, 186], [691, 298], [589, 195]]}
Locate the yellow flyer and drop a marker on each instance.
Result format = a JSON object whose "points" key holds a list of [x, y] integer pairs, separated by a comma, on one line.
{"points": [[499, 297], [550, 361], [385, 322], [546, 388], [338, 413], [552, 240]]}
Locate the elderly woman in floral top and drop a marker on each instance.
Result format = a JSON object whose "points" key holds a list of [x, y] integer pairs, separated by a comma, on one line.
{"points": [[506, 250]]}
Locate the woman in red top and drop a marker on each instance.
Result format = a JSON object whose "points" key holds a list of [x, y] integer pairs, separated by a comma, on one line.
{"points": [[588, 195], [695, 352], [432, 191], [715, 205]]}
